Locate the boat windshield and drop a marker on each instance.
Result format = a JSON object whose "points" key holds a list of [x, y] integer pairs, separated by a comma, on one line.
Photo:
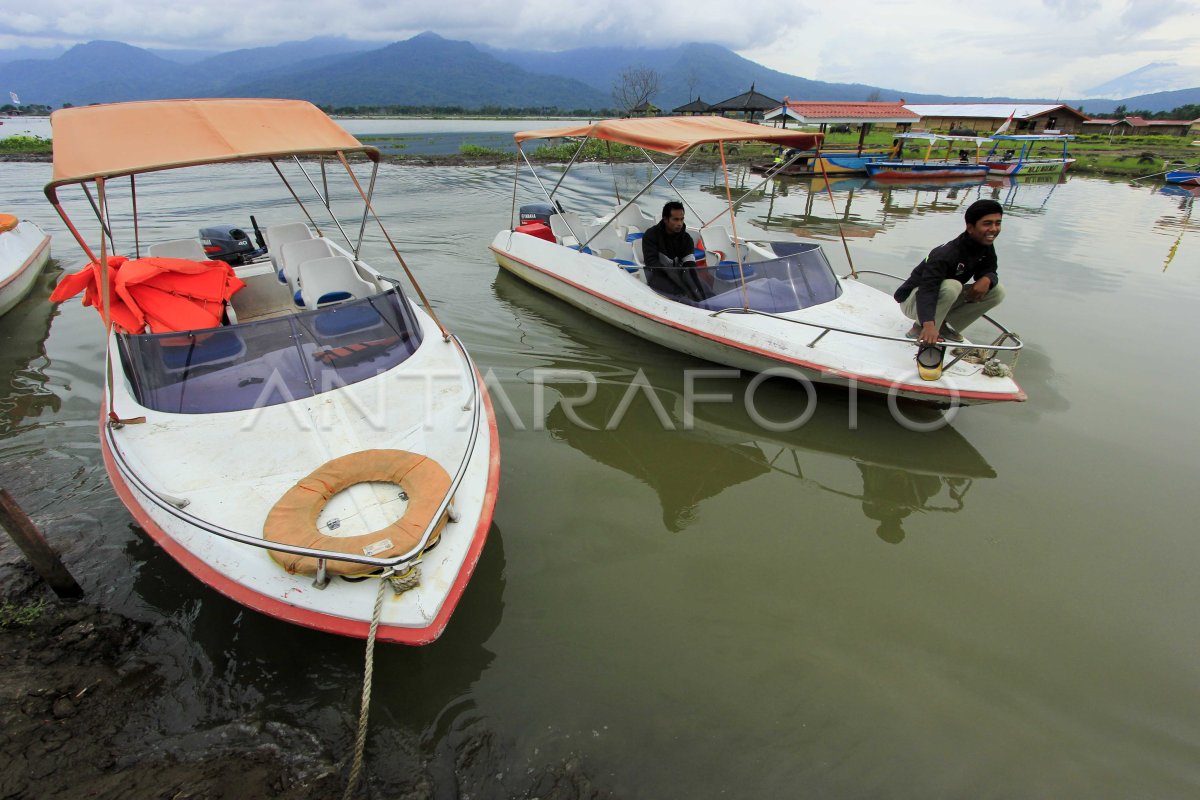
{"points": [[799, 278], [271, 361]]}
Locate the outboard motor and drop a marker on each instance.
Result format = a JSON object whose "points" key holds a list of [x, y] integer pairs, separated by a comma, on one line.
{"points": [[229, 243], [535, 221], [536, 212]]}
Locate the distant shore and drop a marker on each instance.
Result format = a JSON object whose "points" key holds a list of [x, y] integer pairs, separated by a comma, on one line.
{"points": [[1133, 161]]}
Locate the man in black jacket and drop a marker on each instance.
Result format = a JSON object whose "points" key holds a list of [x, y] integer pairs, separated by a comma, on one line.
{"points": [[670, 256], [956, 284]]}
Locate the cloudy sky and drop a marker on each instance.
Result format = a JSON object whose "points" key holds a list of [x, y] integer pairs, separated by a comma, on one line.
{"points": [[1029, 48]]}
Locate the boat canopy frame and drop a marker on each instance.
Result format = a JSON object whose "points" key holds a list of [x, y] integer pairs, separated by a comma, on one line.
{"points": [[623, 135], [679, 137], [95, 144], [1027, 141]]}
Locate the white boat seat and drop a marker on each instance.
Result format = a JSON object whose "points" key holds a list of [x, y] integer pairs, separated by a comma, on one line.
{"points": [[635, 217], [606, 243], [718, 246], [293, 254], [566, 227], [325, 281], [279, 235], [189, 249], [638, 257]]}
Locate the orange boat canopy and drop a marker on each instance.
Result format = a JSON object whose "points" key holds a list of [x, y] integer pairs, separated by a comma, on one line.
{"points": [[677, 135], [131, 138]]}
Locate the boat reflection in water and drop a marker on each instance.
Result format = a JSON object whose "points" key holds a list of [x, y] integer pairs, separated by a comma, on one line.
{"points": [[637, 422], [1187, 199], [860, 452], [23, 333], [647, 441], [1023, 192]]}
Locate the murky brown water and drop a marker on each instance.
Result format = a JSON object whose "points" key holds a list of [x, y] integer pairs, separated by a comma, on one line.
{"points": [[1005, 607]]}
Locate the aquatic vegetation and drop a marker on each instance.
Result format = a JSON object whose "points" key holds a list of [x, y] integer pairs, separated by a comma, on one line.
{"points": [[15, 615], [25, 144], [479, 151]]}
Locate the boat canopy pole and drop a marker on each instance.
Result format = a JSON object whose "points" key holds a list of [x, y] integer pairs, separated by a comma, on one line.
{"points": [[757, 186], [512, 214], [838, 217], [137, 243], [105, 299], [104, 229], [570, 164], [362, 228], [621, 208], [62, 213], [670, 182], [633, 199], [324, 198], [536, 177], [737, 251], [325, 182], [542, 186], [295, 196], [612, 168], [371, 209]]}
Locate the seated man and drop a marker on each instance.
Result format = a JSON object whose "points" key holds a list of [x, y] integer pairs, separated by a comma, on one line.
{"points": [[670, 256], [956, 284]]}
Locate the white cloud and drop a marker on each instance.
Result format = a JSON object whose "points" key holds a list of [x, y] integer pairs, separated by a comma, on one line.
{"points": [[1031, 48]]}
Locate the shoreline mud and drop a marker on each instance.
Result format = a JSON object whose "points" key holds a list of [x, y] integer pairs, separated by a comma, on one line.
{"points": [[82, 693]]}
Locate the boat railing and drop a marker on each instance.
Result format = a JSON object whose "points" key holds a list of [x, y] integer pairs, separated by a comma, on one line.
{"points": [[960, 349], [174, 505]]}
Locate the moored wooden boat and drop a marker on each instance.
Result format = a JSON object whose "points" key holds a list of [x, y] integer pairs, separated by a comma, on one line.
{"points": [[1183, 177], [1012, 154], [933, 165]]}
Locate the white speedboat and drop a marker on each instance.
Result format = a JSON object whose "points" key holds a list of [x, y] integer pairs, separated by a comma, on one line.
{"points": [[317, 432], [24, 251], [771, 305]]}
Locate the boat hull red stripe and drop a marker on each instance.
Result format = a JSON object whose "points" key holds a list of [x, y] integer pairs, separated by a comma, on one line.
{"points": [[925, 391], [311, 619]]}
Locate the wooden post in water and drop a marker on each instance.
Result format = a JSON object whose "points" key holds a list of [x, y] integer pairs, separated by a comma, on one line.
{"points": [[35, 547]]}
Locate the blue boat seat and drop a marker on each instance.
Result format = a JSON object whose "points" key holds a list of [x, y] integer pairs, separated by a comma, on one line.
{"points": [[728, 271], [188, 351]]}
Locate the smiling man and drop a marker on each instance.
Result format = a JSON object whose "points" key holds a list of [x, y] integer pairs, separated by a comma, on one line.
{"points": [[956, 284]]}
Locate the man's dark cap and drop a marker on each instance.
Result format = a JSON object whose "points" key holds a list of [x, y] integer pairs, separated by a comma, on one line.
{"points": [[980, 209]]}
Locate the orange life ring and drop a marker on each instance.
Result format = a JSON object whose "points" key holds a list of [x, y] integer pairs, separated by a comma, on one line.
{"points": [[293, 520], [8, 222]]}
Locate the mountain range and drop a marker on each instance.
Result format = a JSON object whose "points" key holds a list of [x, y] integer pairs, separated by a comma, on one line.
{"points": [[430, 71]]}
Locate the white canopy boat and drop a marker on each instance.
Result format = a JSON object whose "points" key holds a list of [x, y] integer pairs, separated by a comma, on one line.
{"points": [[321, 433], [24, 251], [771, 305], [1012, 154]]}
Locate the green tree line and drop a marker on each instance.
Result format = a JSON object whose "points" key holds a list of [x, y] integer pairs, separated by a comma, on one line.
{"points": [[1188, 111]]}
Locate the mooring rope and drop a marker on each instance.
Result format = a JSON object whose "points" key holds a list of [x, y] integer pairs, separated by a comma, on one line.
{"points": [[360, 741]]}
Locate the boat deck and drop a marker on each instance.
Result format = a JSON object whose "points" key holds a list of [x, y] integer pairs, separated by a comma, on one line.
{"points": [[264, 296]]}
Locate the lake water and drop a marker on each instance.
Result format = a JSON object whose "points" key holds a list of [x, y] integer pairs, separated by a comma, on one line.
{"points": [[407, 136], [1004, 607]]}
